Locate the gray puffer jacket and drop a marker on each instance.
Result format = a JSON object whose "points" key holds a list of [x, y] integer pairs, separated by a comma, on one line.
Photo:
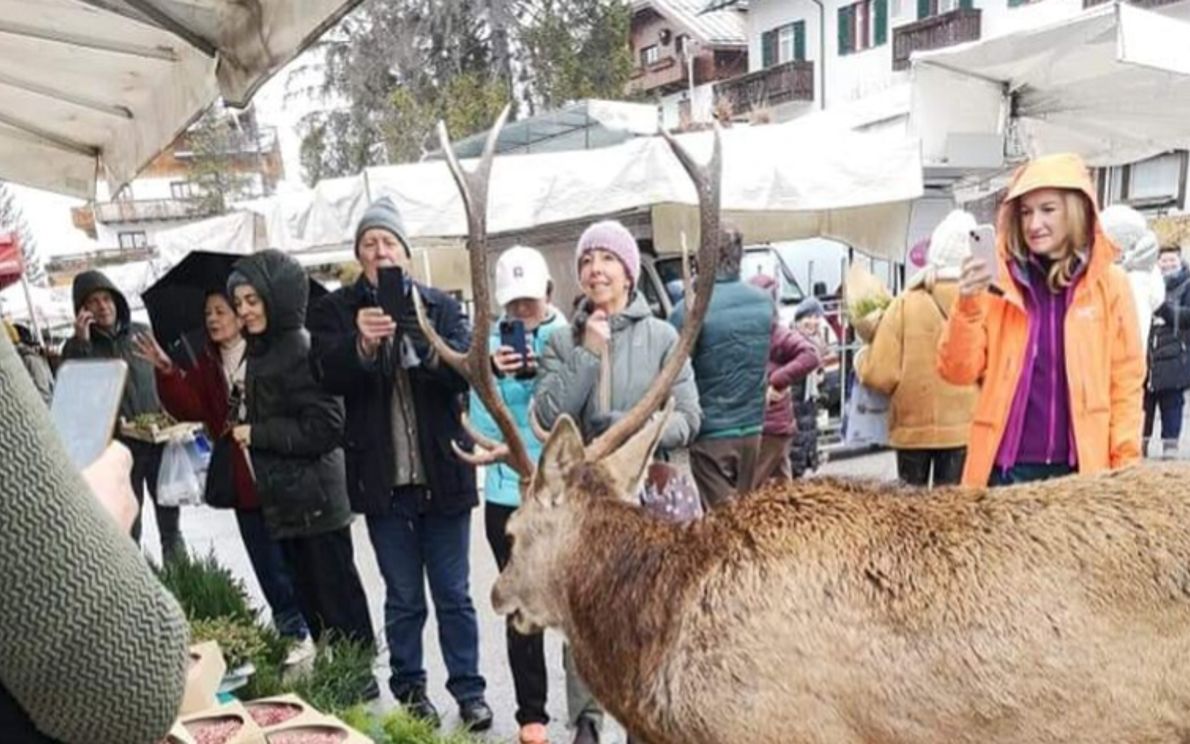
{"points": [[571, 376]]}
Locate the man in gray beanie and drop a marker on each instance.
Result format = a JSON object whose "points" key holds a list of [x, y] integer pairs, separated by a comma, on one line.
{"points": [[404, 409]]}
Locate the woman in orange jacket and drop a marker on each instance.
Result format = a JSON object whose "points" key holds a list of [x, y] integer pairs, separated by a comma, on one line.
{"points": [[1051, 337]]}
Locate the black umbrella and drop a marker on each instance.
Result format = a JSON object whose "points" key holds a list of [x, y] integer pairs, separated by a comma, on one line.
{"points": [[175, 301]]}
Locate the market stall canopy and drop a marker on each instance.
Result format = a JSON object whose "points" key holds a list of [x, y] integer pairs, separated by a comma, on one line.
{"points": [[96, 88], [780, 182], [1112, 84]]}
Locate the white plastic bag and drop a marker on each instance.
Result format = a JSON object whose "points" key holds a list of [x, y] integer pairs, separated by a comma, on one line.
{"points": [[178, 482]]}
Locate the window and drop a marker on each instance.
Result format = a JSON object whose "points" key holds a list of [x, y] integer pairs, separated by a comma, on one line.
{"points": [[680, 44], [131, 241], [863, 25], [649, 55], [1158, 180], [784, 44], [183, 190], [930, 8]]}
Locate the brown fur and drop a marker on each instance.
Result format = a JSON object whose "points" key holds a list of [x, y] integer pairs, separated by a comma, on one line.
{"points": [[837, 611]]}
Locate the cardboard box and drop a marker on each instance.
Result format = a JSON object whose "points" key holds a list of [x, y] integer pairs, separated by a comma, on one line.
{"points": [[203, 677], [336, 731], [302, 711], [185, 731]]}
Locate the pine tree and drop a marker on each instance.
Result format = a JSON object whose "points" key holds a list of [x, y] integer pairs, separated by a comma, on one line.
{"points": [[12, 220]]}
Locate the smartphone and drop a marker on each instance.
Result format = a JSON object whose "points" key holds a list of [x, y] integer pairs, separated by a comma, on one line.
{"points": [[86, 402], [391, 291], [512, 335], [983, 246]]}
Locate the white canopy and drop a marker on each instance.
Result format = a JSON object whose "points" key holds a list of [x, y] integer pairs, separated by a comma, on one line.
{"points": [[779, 182], [99, 87], [1112, 84]]}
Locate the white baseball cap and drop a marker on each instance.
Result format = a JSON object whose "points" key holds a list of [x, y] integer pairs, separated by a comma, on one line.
{"points": [[521, 273]]}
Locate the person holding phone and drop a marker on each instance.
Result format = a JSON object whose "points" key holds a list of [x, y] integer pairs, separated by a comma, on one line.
{"points": [[598, 370], [517, 343], [292, 433], [1054, 343], [404, 408], [104, 329], [929, 419], [212, 391]]}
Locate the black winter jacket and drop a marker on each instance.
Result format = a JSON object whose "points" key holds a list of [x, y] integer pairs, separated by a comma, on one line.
{"points": [[1169, 340], [439, 393], [296, 426]]}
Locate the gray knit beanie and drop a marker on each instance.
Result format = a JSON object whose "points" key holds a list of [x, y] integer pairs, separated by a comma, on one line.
{"points": [[382, 214]]}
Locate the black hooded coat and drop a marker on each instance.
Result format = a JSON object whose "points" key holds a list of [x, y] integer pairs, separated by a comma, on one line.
{"points": [[296, 427]]}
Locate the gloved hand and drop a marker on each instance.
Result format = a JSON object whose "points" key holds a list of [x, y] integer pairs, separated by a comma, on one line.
{"points": [[601, 422], [1142, 256]]}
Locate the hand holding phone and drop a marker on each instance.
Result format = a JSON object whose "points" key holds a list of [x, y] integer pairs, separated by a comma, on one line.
{"points": [[982, 241], [514, 338]]}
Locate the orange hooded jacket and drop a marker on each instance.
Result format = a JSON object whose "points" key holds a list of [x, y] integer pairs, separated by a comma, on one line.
{"points": [[985, 338]]}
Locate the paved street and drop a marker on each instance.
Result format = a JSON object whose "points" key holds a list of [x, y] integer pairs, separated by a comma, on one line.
{"points": [[208, 529]]}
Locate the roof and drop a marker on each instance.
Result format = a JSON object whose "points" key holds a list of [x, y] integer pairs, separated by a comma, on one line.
{"points": [[727, 27]]}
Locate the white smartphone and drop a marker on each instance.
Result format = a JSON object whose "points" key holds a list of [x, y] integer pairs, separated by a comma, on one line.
{"points": [[86, 401], [983, 246]]}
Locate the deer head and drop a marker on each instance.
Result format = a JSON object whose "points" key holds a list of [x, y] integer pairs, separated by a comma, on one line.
{"points": [[569, 473]]}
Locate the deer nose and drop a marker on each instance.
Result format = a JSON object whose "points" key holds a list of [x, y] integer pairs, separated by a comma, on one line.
{"points": [[498, 603]]}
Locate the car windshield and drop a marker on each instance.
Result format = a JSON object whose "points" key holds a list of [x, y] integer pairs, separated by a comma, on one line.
{"points": [[766, 261]]}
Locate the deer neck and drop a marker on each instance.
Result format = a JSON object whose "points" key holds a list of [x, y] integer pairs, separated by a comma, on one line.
{"points": [[626, 580]]}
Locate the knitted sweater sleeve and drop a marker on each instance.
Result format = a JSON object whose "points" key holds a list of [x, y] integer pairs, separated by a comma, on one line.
{"points": [[93, 648]]}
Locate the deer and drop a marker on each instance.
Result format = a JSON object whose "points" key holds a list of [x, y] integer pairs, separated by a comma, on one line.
{"points": [[835, 610]]}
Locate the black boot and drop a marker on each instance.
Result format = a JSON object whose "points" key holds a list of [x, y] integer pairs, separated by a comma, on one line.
{"points": [[417, 704], [476, 715], [585, 732]]}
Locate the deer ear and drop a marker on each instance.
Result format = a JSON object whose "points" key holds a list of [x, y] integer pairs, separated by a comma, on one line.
{"points": [[563, 450], [627, 465]]}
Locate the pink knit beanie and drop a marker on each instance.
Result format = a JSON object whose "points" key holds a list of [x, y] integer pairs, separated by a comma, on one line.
{"points": [[613, 237]]}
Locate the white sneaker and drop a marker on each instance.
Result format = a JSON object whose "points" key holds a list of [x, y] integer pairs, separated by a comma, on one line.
{"points": [[302, 654]]}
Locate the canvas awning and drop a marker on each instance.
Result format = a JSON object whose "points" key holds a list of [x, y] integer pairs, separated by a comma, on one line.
{"points": [[1112, 84], [96, 88]]}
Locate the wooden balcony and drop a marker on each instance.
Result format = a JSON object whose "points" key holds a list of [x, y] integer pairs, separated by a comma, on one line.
{"points": [[772, 86], [663, 76], [1138, 3], [935, 32]]}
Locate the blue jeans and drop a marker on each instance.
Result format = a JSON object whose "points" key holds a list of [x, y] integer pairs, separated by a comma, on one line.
{"points": [[1172, 403], [411, 548], [273, 574]]}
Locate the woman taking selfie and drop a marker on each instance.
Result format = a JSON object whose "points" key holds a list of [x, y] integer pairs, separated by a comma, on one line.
{"points": [[1050, 331]]}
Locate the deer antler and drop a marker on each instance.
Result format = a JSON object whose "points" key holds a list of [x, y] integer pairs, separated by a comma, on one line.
{"points": [[706, 182], [475, 365]]}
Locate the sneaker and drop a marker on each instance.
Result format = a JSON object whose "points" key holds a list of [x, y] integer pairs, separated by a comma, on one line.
{"points": [[476, 715], [302, 653], [585, 732], [534, 733], [417, 704]]}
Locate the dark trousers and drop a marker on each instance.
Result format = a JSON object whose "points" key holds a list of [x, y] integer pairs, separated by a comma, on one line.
{"points": [[146, 466], [1172, 403], [526, 653], [724, 469], [914, 466], [327, 585], [272, 572], [1028, 473], [412, 548]]}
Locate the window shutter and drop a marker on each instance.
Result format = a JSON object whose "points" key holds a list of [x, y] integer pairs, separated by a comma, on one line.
{"points": [[799, 41], [966, 4], [768, 48], [845, 35], [881, 35], [923, 9]]}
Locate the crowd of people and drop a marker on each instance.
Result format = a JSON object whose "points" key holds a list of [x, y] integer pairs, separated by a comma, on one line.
{"points": [[1039, 364]]}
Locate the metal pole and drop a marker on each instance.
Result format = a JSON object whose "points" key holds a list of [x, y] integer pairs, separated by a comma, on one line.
{"points": [[821, 54], [32, 311]]}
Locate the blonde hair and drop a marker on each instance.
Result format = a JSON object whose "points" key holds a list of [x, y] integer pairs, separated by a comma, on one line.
{"points": [[1080, 223]]}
